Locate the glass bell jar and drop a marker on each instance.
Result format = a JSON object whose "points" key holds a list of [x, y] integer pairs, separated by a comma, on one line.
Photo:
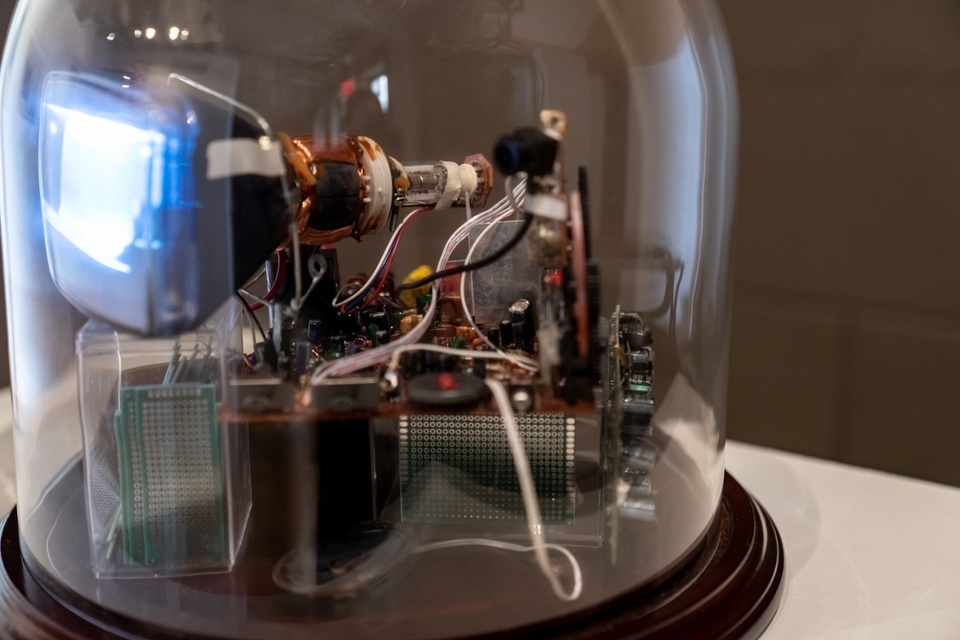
{"points": [[366, 318]]}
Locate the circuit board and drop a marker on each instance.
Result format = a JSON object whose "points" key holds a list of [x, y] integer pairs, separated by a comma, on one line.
{"points": [[171, 482], [458, 468]]}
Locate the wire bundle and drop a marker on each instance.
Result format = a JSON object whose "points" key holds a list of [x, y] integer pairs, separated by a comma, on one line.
{"points": [[392, 352], [372, 357], [375, 282]]}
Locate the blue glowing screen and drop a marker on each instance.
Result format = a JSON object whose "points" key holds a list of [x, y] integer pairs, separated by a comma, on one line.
{"points": [[108, 166], [101, 196], [117, 195]]}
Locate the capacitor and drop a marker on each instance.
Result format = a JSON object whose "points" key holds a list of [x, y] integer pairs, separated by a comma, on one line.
{"points": [[467, 333], [315, 331], [637, 337], [431, 361], [408, 323], [480, 368], [413, 363], [448, 363], [521, 316], [444, 330], [506, 333], [423, 302], [303, 350], [265, 355], [378, 317], [493, 335], [526, 149], [522, 397]]}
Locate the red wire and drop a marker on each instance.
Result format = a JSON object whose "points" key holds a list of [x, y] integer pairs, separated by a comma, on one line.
{"points": [[278, 281], [386, 267], [386, 272]]}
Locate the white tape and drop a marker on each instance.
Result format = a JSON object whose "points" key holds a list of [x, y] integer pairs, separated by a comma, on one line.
{"points": [[547, 206], [451, 190], [244, 156], [468, 180]]}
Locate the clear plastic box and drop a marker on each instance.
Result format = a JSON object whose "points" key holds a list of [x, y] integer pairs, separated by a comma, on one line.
{"points": [[167, 483]]}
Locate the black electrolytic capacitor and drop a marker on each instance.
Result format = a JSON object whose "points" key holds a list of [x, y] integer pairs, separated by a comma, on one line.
{"points": [[378, 317], [521, 316], [506, 333], [494, 336], [315, 331], [448, 363], [480, 368], [431, 361], [303, 351], [413, 363]]}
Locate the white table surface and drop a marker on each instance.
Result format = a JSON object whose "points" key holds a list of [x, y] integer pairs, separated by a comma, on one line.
{"points": [[868, 555]]}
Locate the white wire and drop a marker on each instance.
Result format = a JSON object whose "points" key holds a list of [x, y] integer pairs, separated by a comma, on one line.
{"points": [[377, 355], [297, 301], [256, 277], [372, 357], [528, 491], [513, 199], [515, 207], [383, 259], [506, 546], [254, 297], [465, 353]]}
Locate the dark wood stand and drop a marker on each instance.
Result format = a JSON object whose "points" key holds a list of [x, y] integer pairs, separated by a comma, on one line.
{"points": [[729, 589]]}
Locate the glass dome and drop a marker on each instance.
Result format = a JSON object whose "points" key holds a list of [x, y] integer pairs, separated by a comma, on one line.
{"points": [[365, 318]]}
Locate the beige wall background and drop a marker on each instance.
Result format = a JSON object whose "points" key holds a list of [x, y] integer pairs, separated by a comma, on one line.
{"points": [[846, 335]]}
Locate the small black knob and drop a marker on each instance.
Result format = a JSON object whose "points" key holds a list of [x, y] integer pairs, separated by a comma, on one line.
{"points": [[528, 150]]}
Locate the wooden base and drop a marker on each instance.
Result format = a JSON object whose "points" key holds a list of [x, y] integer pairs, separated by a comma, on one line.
{"points": [[730, 589]]}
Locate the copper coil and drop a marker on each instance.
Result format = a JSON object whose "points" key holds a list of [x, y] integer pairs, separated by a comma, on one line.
{"points": [[303, 154]]}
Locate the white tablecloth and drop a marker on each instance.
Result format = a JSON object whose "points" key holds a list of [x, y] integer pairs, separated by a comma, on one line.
{"points": [[870, 556]]}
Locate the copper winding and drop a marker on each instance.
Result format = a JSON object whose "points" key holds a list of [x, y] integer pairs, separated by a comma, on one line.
{"points": [[304, 157]]}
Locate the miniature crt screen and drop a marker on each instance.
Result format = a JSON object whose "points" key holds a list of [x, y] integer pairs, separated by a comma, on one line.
{"points": [[401, 318]]}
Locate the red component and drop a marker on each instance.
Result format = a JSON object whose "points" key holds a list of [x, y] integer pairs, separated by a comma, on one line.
{"points": [[347, 87], [447, 382], [554, 279]]}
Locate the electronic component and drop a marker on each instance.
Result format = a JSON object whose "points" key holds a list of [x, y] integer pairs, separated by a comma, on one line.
{"points": [[172, 500], [527, 150], [350, 187], [638, 402], [445, 389], [523, 324], [638, 454], [458, 468], [339, 355], [348, 395], [122, 220]]}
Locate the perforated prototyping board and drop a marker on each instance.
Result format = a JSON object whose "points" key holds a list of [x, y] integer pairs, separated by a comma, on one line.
{"points": [[458, 468], [171, 481]]}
